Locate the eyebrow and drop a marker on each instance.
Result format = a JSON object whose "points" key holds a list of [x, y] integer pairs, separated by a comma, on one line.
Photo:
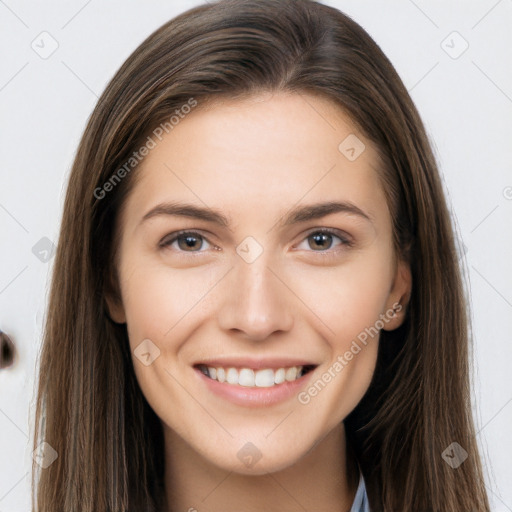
{"points": [[296, 215]]}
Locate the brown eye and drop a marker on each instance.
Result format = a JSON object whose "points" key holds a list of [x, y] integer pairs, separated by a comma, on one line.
{"points": [[321, 240], [187, 241], [324, 239]]}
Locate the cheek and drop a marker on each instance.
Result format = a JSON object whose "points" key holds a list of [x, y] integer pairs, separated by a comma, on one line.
{"points": [[158, 300], [349, 312], [347, 303], [346, 299], [340, 385], [162, 305], [159, 303]]}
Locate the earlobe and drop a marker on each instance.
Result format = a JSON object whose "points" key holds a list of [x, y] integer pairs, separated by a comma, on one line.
{"points": [[113, 303], [399, 296], [115, 310]]}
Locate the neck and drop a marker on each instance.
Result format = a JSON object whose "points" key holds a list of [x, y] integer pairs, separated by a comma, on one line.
{"points": [[322, 480]]}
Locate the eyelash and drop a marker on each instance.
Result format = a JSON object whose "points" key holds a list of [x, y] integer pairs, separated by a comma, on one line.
{"points": [[345, 241]]}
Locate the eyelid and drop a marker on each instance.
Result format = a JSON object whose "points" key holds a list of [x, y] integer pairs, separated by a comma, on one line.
{"points": [[170, 238], [331, 231], [346, 240]]}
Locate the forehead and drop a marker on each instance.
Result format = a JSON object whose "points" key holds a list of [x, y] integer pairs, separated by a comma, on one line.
{"points": [[261, 155]]}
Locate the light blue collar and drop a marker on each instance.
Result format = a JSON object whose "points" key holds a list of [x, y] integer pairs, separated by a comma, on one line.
{"points": [[361, 500]]}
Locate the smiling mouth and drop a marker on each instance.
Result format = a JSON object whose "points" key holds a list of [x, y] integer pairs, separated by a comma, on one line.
{"points": [[247, 377]]}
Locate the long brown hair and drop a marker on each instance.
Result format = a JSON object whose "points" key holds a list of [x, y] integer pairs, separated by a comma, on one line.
{"points": [[90, 409]]}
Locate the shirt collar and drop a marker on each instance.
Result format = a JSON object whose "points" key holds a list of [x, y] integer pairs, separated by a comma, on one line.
{"points": [[360, 503]]}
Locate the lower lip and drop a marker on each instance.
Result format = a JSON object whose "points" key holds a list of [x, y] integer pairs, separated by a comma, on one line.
{"points": [[254, 396]]}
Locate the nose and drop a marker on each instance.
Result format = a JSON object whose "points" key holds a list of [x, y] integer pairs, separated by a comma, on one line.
{"points": [[257, 303]]}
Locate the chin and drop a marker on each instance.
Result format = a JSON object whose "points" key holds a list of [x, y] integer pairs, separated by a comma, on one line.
{"points": [[252, 458]]}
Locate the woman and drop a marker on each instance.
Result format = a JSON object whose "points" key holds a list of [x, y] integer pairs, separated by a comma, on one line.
{"points": [[256, 302]]}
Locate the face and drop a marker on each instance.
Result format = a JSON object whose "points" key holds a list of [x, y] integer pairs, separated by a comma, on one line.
{"points": [[266, 289]]}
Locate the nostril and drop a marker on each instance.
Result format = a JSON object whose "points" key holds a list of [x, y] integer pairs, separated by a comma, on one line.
{"points": [[7, 351]]}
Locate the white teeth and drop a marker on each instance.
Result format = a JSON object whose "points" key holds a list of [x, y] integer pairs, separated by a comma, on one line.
{"points": [[280, 376], [232, 376], [246, 377], [250, 378], [291, 373], [264, 378]]}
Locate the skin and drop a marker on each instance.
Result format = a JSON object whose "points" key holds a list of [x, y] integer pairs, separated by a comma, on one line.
{"points": [[281, 151]]}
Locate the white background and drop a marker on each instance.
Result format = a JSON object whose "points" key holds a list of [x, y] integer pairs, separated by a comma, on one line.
{"points": [[465, 102]]}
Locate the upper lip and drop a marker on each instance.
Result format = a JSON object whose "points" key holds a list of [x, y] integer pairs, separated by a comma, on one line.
{"points": [[254, 363]]}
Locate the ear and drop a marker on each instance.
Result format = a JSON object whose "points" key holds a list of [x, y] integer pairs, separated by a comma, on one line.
{"points": [[115, 309], [113, 301], [399, 296]]}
